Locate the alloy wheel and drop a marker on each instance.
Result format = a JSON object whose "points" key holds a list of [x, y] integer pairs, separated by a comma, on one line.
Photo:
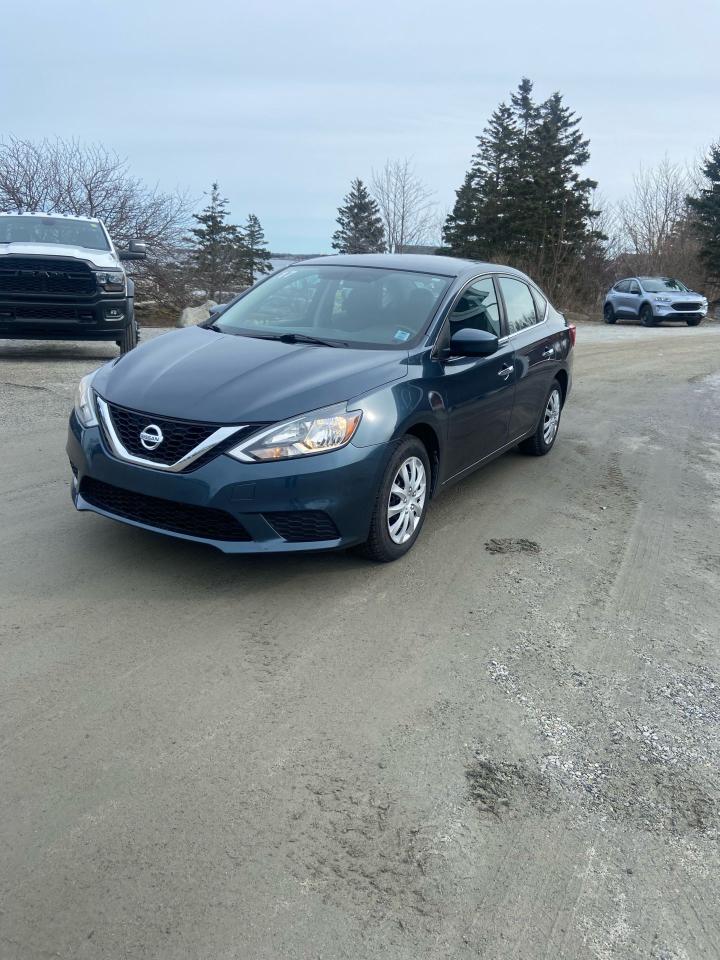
{"points": [[551, 419], [407, 500]]}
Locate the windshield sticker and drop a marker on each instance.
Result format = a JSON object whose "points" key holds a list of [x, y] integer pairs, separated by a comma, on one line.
{"points": [[401, 335]]}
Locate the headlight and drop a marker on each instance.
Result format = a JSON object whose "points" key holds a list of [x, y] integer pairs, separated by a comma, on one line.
{"points": [[663, 299], [84, 402], [111, 281], [316, 432]]}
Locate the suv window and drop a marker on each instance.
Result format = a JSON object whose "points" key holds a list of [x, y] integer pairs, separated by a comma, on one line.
{"points": [[477, 308], [634, 286], [519, 304]]}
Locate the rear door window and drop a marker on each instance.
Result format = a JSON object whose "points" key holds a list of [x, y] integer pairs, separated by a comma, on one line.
{"points": [[519, 304]]}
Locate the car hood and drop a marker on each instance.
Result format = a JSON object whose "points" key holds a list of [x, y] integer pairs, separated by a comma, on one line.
{"points": [[197, 374], [97, 258]]}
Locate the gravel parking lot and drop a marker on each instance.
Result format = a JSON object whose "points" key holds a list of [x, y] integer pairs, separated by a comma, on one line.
{"points": [[505, 746]]}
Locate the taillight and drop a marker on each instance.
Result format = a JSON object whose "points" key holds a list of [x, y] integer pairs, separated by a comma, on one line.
{"points": [[572, 330]]}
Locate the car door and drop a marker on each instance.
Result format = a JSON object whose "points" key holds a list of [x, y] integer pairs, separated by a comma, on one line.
{"points": [[477, 391], [634, 299], [534, 352]]}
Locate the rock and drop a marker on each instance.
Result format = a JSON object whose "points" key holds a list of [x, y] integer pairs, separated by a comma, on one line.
{"points": [[193, 315]]}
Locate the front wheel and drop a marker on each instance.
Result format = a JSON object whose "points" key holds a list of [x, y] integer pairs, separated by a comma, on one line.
{"points": [[543, 440], [401, 503], [647, 317], [129, 338], [694, 321]]}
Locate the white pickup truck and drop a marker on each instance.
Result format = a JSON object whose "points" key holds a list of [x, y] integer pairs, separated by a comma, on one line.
{"points": [[61, 278]]}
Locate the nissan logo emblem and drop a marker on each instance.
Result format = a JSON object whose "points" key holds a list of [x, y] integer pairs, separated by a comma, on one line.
{"points": [[151, 436]]}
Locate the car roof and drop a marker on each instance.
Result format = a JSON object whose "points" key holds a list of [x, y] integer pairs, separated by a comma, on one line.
{"points": [[415, 263], [60, 216]]}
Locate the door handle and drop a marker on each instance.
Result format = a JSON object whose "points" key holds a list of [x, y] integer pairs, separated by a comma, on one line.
{"points": [[548, 352], [505, 372]]}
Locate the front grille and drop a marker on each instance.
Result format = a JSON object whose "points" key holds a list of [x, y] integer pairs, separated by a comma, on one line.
{"points": [[179, 436], [205, 522], [46, 276], [687, 307], [298, 526]]}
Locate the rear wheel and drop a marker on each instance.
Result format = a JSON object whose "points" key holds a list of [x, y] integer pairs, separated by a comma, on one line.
{"points": [[647, 317], [609, 313], [693, 321], [401, 503], [129, 339], [543, 440]]}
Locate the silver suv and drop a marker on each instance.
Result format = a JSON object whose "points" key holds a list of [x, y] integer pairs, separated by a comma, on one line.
{"points": [[652, 300]]}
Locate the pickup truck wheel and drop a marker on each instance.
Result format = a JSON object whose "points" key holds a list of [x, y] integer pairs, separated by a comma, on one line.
{"points": [[647, 317], [543, 440], [129, 338], [609, 313]]}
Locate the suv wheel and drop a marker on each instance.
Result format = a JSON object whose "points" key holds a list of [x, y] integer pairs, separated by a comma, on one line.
{"points": [[693, 321], [543, 440], [609, 313], [647, 317], [401, 503]]}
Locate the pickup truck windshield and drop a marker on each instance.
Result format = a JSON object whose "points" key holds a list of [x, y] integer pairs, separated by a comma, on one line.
{"points": [[352, 306], [62, 230]]}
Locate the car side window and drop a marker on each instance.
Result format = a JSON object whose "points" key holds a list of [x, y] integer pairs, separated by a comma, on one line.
{"points": [[540, 303], [623, 286], [519, 304], [634, 286], [477, 308]]}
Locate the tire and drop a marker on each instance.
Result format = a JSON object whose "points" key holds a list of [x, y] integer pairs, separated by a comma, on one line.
{"points": [[647, 317], [410, 465], [543, 440], [609, 313], [694, 321], [129, 339]]}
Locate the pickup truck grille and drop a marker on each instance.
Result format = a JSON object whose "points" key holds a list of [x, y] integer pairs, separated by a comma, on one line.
{"points": [[45, 276], [684, 307]]}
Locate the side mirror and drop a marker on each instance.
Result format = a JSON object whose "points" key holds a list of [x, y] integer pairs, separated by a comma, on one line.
{"points": [[216, 309], [469, 342], [137, 250]]}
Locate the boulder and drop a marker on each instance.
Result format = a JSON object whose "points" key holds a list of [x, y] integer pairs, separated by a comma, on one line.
{"points": [[193, 315]]}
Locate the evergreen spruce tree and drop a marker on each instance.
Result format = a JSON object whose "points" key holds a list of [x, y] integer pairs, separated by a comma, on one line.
{"points": [[215, 244], [254, 259], [524, 200], [360, 227], [705, 213]]}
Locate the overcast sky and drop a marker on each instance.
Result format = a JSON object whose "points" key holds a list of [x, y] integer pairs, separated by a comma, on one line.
{"points": [[284, 102]]}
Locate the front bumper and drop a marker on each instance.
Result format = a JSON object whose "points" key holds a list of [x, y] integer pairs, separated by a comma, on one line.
{"points": [[96, 318], [341, 485], [668, 313]]}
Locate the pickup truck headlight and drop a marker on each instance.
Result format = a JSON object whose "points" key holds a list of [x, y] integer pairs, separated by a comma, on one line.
{"points": [[111, 281], [85, 403], [305, 436]]}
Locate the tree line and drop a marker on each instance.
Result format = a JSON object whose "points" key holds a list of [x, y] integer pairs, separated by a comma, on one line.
{"points": [[525, 200]]}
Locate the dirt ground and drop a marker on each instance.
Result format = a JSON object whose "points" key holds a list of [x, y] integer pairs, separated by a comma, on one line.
{"points": [[506, 746]]}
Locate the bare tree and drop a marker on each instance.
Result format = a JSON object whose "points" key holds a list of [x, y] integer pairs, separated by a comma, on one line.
{"points": [[406, 206], [66, 176], [652, 215]]}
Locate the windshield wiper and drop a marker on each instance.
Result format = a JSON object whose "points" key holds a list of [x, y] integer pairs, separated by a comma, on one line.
{"points": [[213, 326], [306, 338]]}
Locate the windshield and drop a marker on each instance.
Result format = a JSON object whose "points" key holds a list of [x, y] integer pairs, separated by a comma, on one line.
{"points": [[660, 284], [71, 233], [353, 306]]}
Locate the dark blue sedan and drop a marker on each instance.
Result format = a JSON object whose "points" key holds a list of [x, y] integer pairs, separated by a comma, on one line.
{"points": [[325, 407]]}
